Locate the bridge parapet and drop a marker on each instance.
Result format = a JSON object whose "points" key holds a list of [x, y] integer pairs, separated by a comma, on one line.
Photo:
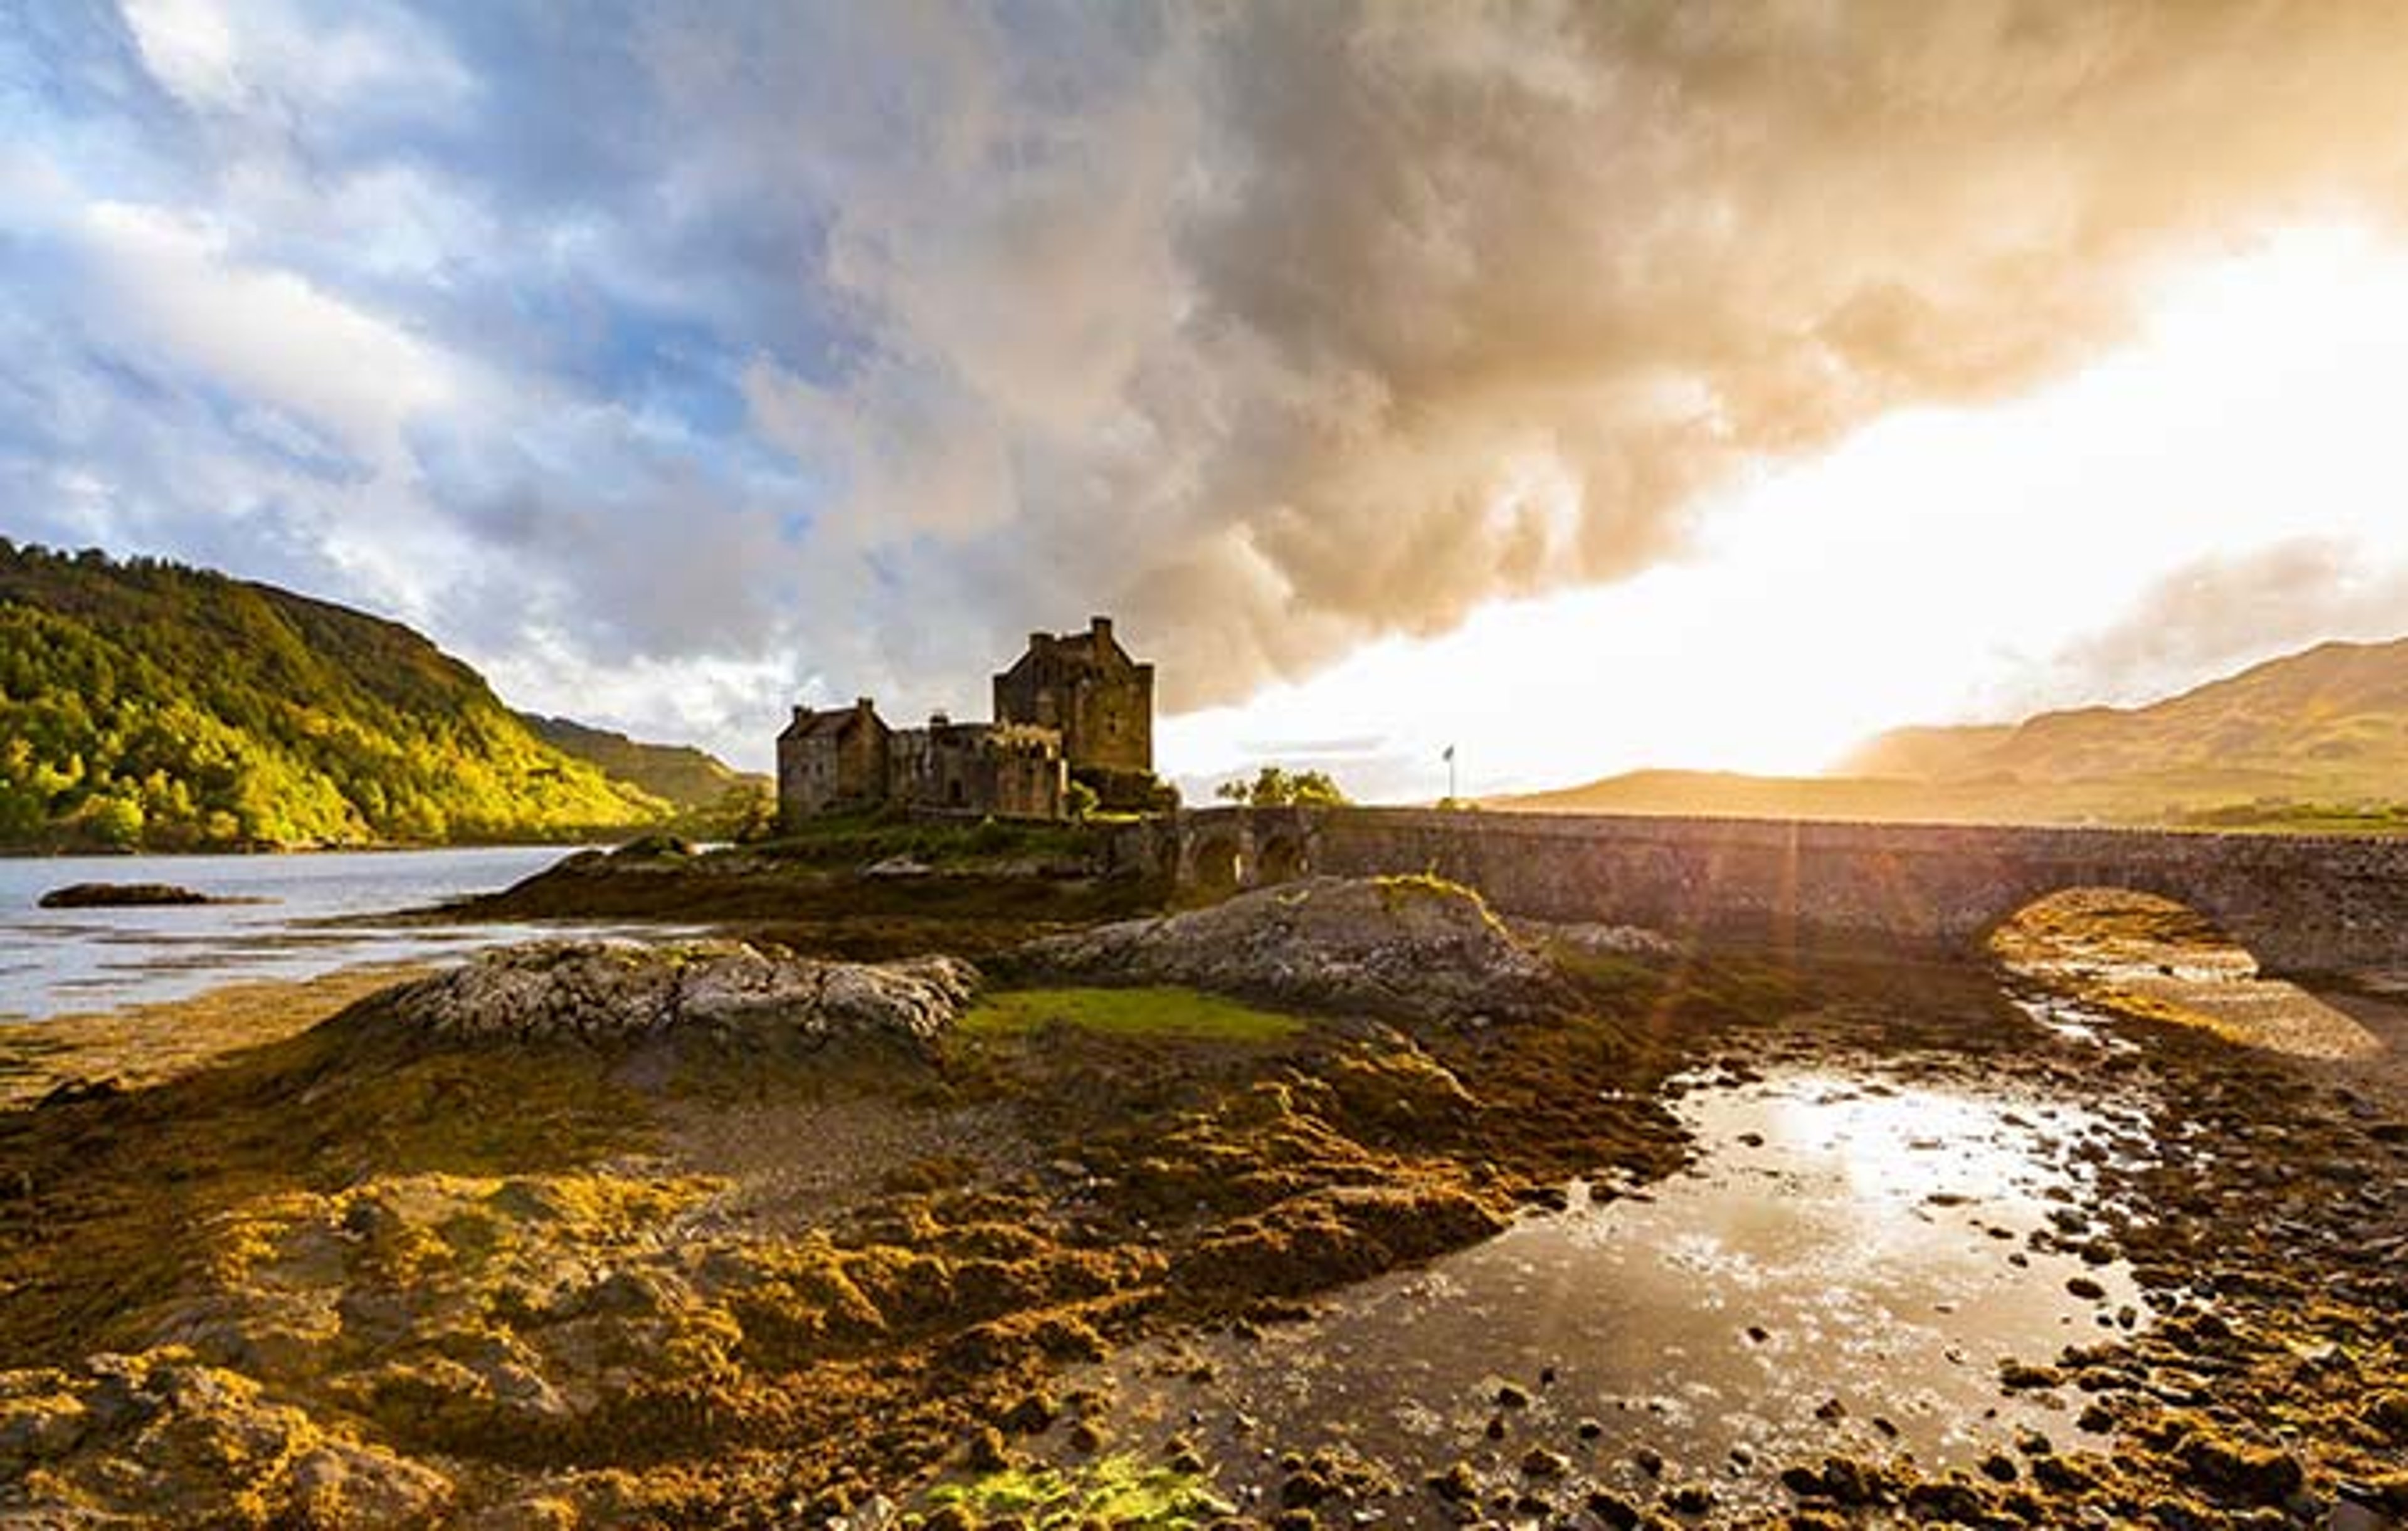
{"points": [[2300, 903]]}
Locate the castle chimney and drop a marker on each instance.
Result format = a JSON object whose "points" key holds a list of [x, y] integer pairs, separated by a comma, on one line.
{"points": [[1102, 628], [1039, 641], [863, 706]]}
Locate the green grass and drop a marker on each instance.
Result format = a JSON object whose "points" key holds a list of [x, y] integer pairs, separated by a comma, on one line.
{"points": [[1183, 1013], [1117, 1491]]}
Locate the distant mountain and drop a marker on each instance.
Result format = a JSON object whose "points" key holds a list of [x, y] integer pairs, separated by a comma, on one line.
{"points": [[2313, 741], [2329, 723], [144, 705], [686, 778]]}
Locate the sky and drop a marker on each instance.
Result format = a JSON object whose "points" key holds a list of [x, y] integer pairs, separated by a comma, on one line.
{"points": [[1580, 386]]}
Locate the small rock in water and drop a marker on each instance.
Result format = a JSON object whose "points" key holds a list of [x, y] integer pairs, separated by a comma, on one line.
{"points": [[1691, 1498], [1455, 1485], [1539, 1461], [111, 896], [1616, 1512]]}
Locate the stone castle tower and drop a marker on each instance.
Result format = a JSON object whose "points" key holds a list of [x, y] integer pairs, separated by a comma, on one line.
{"points": [[1085, 686]]}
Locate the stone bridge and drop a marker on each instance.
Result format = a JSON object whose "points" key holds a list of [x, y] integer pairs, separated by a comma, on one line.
{"points": [[2299, 904]]}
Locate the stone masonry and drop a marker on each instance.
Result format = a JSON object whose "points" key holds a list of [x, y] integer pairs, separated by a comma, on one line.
{"points": [[2299, 904]]}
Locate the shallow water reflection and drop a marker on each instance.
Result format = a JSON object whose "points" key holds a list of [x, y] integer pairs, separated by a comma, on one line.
{"points": [[1843, 1271]]}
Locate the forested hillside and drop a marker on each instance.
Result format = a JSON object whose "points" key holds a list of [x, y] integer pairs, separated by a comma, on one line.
{"points": [[145, 705], [686, 778]]}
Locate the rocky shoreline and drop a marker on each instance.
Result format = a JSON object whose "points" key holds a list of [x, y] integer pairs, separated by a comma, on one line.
{"points": [[722, 1234]]}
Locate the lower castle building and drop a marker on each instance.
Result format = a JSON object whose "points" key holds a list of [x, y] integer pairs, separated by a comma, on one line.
{"points": [[1071, 703]]}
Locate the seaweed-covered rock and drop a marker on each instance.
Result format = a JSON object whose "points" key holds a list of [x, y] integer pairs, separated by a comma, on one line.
{"points": [[624, 991], [1408, 948], [153, 1439], [1312, 1242]]}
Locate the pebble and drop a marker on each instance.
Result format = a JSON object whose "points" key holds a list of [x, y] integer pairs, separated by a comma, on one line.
{"points": [[1539, 1461]]}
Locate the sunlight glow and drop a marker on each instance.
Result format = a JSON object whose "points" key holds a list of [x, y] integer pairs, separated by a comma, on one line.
{"points": [[1937, 566]]}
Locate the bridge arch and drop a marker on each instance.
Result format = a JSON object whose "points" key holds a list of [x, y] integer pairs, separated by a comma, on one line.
{"points": [[1280, 858], [1215, 863], [2100, 927], [2190, 895]]}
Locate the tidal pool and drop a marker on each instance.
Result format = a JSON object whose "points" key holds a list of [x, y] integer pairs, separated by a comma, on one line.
{"points": [[1842, 1269]]}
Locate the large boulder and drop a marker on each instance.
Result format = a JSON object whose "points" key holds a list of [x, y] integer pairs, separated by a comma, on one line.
{"points": [[1405, 948], [625, 991]]}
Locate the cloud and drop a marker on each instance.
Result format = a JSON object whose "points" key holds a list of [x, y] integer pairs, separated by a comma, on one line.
{"points": [[2219, 614], [1357, 319], [847, 343], [168, 288]]}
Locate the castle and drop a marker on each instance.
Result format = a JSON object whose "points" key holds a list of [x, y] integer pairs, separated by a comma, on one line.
{"points": [[1073, 704]]}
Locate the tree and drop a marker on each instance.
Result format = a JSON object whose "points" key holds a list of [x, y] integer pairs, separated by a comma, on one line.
{"points": [[1274, 787]]}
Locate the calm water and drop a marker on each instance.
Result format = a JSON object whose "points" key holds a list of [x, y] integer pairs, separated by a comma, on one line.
{"points": [[1841, 1270], [315, 913]]}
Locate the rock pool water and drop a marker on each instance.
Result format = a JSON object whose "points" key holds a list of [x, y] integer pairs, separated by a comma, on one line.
{"points": [[1842, 1269]]}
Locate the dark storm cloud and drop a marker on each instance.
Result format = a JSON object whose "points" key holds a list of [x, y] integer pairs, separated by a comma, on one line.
{"points": [[852, 341]]}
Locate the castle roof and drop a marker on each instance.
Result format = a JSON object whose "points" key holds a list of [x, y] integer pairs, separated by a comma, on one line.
{"points": [[830, 722], [1095, 648]]}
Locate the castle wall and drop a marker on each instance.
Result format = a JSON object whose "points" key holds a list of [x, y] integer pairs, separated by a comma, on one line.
{"points": [[1012, 771]]}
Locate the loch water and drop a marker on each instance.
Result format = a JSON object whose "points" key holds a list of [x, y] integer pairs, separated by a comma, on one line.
{"points": [[289, 917]]}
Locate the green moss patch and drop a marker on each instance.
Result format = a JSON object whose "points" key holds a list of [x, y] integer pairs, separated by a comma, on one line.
{"points": [[1165, 1011], [1117, 1491]]}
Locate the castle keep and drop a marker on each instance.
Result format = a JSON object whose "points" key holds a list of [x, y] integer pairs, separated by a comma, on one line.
{"points": [[1077, 703]]}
